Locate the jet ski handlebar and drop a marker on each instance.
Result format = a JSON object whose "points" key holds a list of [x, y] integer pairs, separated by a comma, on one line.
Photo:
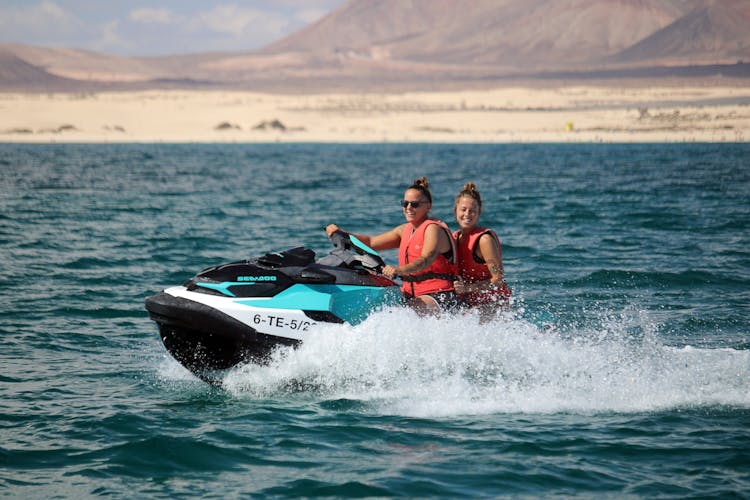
{"points": [[371, 260], [340, 239], [362, 253]]}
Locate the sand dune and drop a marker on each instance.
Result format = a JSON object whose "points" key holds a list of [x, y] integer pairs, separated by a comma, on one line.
{"points": [[559, 114]]}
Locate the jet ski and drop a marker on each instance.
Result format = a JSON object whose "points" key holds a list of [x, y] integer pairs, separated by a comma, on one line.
{"points": [[242, 311]]}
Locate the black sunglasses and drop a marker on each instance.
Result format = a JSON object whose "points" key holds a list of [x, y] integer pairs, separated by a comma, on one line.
{"points": [[414, 204]]}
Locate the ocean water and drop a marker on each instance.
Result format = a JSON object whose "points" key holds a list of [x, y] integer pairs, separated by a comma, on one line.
{"points": [[623, 369]]}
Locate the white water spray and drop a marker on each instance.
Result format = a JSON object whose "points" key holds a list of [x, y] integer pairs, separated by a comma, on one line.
{"points": [[399, 363]]}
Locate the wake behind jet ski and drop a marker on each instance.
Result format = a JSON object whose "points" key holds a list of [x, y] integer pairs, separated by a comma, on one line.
{"points": [[241, 311]]}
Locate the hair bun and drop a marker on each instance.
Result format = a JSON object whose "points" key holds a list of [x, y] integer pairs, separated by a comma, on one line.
{"points": [[423, 186], [470, 190], [422, 181]]}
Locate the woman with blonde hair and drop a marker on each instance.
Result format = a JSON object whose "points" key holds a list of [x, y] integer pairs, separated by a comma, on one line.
{"points": [[481, 280]]}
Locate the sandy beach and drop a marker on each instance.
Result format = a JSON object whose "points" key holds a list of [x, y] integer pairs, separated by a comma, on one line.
{"points": [[510, 114]]}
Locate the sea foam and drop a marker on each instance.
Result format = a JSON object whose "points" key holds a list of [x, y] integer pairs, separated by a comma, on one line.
{"points": [[399, 363]]}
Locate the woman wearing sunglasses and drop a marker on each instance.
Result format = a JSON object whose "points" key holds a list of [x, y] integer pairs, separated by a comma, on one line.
{"points": [[426, 256], [481, 281]]}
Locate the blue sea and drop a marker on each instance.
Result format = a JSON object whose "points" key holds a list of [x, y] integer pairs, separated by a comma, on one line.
{"points": [[623, 369]]}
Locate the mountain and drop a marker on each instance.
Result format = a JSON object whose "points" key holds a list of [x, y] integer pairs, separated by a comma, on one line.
{"points": [[718, 31], [15, 72], [527, 34], [426, 44]]}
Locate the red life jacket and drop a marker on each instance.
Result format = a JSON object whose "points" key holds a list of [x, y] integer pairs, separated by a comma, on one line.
{"points": [[472, 271], [410, 249]]}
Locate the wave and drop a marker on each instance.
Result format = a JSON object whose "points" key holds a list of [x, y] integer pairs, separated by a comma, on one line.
{"points": [[640, 279], [398, 363]]}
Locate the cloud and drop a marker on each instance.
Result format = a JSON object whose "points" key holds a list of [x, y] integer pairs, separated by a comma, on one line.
{"points": [[235, 27], [326, 5], [45, 20], [308, 16], [236, 21], [109, 37], [160, 27], [304, 11], [152, 16]]}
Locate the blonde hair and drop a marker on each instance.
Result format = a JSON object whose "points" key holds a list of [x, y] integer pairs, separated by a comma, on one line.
{"points": [[469, 190]]}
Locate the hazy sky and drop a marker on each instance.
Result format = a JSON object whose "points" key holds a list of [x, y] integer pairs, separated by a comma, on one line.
{"points": [[139, 27]]}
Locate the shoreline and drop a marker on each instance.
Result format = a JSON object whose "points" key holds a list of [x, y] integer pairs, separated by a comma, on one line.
{"points": [[564, 114]]}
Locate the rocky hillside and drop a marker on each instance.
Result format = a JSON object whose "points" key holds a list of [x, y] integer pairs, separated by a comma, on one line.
{"points": [[435, 43]]}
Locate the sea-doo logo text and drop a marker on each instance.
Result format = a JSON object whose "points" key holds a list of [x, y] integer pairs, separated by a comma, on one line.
{"points": [[256, 278]]}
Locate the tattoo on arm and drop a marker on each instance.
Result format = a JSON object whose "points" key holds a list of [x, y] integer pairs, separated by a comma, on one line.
{"points": [[496, 272], [495, 269], [420, 263]]}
